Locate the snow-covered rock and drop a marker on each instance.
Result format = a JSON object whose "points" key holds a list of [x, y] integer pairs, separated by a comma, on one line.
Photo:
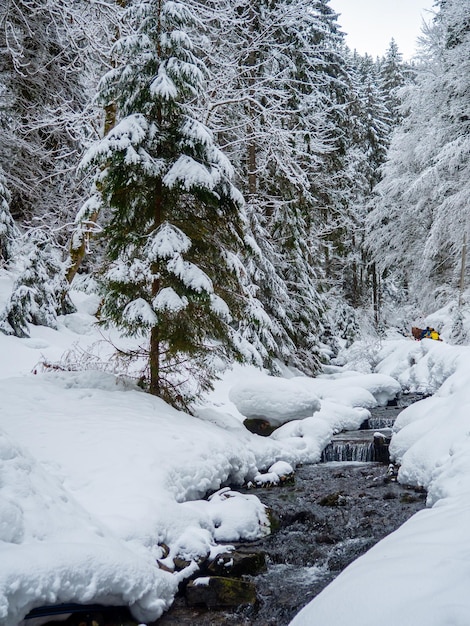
{"points": [[276, 400]]}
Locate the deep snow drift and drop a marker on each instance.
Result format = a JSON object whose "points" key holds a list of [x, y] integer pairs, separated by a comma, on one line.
{"points": [[96, 475]]}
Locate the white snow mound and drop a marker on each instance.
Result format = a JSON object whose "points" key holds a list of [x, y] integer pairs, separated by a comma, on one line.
{"points": [[276, 400], [53, 551]]}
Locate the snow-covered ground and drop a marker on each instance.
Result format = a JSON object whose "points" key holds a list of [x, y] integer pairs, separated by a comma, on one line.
{"points": [[96, 475]]}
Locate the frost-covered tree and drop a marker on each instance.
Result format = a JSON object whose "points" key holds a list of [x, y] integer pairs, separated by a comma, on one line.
{"points": [[8, 230], [50, 51], [111, 25], [272, 102], [360, 134], [392, 78], [422, 204], [174, 216], [40, 292], [376, 122]]}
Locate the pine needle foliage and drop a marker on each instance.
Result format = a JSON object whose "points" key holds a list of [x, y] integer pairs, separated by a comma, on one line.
{"points": [[174, 222], [39, 293]]}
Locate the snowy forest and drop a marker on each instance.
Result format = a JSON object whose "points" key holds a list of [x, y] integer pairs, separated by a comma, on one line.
{"points": [[230, 177], [218, 227]]}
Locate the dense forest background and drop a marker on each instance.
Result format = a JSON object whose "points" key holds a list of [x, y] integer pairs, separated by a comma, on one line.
{"points": [[232, 180]]}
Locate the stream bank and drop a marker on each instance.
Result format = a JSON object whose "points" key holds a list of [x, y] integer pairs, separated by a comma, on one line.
{"points": [[332, 514]]}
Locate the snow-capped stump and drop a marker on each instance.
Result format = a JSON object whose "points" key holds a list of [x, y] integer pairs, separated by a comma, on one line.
{"points": [[219, 592], [279, 473], [274, 400], [284, 470]]}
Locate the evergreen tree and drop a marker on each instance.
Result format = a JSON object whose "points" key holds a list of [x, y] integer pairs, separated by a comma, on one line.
{"points": [[362, 134], [39, 293], [376, 120], [174, 224], [266, 325], [273, 104], [8, 230], [392, 79]]}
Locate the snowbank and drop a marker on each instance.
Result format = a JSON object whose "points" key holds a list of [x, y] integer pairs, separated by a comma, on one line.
{"points": [[52, 550], [276, 400], [418, 574]]}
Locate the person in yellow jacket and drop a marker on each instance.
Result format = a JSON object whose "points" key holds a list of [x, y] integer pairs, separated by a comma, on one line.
{"points": [[430, 333]]}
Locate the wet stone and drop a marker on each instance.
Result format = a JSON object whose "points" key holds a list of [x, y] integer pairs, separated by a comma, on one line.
{"points": [[238, 564], [220, 592], [334, 499], [259, 426], [107, 616]]}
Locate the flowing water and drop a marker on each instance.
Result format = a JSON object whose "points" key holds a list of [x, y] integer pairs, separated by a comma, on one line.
{"points": [[332, 514]]}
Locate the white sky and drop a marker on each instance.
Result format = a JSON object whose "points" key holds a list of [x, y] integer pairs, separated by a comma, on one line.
{"points": [[371, 24]]}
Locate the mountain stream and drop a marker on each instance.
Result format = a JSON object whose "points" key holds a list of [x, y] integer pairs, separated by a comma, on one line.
{"points": [[333, 513], [329, 515]]}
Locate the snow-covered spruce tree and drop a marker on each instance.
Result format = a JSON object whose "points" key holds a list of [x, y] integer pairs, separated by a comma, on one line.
{"points": [[174, 214], [8, 230], [392, 78], [362, 137], [376, 120], [40, 291], [338, 182]]}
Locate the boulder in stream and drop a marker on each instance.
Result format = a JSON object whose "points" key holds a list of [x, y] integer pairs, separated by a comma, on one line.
{"points": [[219, 592], [238, 564]]}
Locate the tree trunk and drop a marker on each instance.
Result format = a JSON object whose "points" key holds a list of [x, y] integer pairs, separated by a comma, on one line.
{"points": [[462, 268], [252, 79], [375, 295], [155, 339], [252, 178], [78, 254], [154, 362]]}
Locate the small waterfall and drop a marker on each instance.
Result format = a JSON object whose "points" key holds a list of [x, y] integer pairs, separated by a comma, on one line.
{"points": [[362, 450], [375, 423], [348, 451]]}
